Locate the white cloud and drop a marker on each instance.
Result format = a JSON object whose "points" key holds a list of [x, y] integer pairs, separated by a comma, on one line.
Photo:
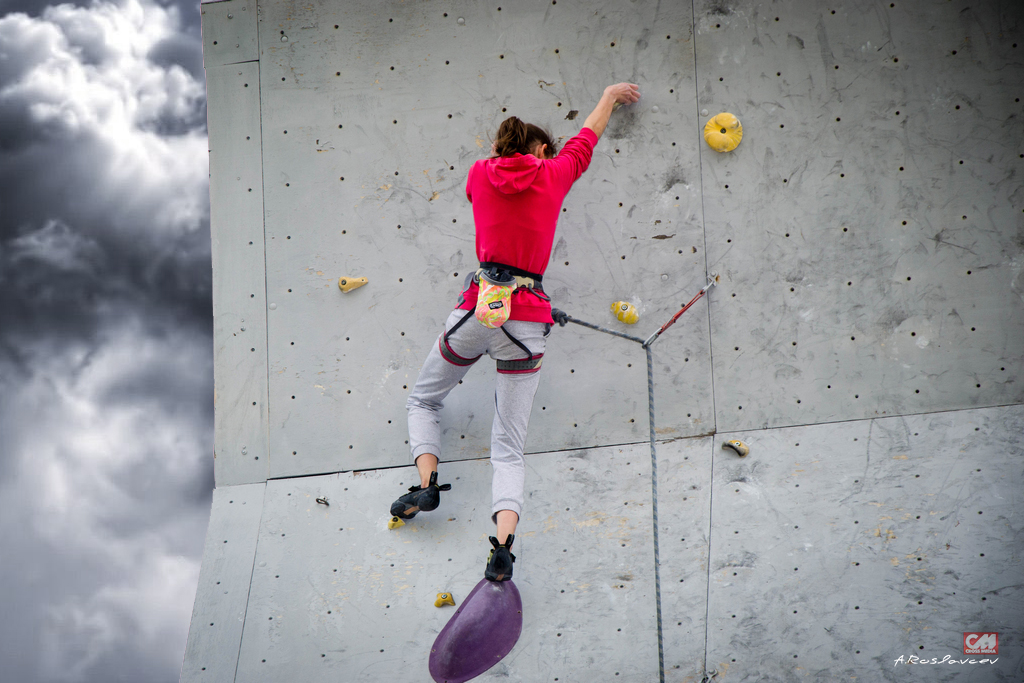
{"points": [[99, 487], [58, 247], [79, 634], [100, 415], [105, 353], [84, 74]]}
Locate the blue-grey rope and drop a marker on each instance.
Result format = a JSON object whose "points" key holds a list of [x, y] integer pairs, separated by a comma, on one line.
{"points": [[654, 511], [654, 472], [571, 319]]}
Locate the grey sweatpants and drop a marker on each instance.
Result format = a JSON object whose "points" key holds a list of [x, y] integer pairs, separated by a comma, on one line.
{"points": [[448, 362]]}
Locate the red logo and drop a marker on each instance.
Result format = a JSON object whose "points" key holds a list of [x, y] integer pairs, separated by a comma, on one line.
{"points": [[981, 643]]}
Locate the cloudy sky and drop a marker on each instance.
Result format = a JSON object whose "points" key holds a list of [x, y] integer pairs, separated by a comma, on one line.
{"points": [[106, 361]]}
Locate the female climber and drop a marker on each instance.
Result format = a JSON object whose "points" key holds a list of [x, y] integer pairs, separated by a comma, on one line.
{"points": [[516, 195]]}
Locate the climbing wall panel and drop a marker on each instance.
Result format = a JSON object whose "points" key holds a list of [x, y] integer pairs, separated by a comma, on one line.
{"points": [[239, 283], [372, 118], [839, 548], [684, 525], [223, 592], [868, 227], [335, 593], [868, 336], [229, 32]]}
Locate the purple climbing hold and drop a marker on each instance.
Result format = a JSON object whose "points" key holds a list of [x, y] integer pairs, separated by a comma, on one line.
{"points": [[480, 633]]}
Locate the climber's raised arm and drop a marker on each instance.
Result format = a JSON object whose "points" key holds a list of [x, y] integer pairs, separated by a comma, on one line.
{"points": [[621, 93]]}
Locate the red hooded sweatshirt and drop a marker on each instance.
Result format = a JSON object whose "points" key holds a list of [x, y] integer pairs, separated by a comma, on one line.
{"points": [[516, 201]]}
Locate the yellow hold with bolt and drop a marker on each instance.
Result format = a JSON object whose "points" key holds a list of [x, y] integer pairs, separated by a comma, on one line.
{"points": [[625, 312], [347, 284], [395, 523], [741, 449], [444, 599], [723, 132]]}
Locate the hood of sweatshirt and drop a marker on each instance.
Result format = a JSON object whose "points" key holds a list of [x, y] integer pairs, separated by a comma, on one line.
{"points": [[514, 174]]}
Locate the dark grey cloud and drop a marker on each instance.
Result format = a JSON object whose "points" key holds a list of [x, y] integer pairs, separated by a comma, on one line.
{"points": [[183, 50], [106, 408]]}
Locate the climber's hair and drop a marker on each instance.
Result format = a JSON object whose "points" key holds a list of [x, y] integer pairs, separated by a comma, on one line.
{"points": [[516, 137]]}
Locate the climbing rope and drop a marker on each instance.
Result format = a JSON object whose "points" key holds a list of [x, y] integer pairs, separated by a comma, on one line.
{"points": [[561, 317], [654, 512]]}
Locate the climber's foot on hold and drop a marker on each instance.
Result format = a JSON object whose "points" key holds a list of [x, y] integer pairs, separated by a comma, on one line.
{"points": [[419, 499], [499, 562]]}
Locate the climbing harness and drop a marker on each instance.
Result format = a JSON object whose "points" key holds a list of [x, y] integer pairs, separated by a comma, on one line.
{"points": [[531, 282], [497, 282], [522, 366], [561, 317], [529, 364], [446, 350], [524, 278]]}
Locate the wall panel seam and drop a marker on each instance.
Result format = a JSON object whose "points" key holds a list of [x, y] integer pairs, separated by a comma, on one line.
{"points": [[860, 419], [703, 216], [711, 346], [711, 526], [252, 571], [263, 219]]}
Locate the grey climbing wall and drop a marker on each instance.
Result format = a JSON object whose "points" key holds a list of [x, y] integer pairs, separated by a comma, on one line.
{"points": [[865, 337], [232, 64], [211, 654], [335, 594], [840, 548], [229, 34], [240, 321], [868, 228], [365, 173]]}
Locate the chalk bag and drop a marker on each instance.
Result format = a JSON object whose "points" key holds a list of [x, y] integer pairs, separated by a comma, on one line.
{"points": [[494, 302]]}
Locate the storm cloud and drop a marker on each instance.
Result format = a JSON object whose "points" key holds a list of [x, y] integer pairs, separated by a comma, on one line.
{"points": [[106, 377]]}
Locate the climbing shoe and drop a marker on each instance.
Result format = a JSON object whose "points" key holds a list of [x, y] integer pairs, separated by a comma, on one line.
{"points": [[499, 562], [419, 498]]}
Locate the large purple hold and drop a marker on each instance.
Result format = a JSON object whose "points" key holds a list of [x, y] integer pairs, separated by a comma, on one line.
{"points": [[480, 633]]}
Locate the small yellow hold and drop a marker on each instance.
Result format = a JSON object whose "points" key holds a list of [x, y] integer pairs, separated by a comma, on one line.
{"points": [[736, 445], [347, 284], [444, 599], [626, 312], [395, 523], [723, 132]]}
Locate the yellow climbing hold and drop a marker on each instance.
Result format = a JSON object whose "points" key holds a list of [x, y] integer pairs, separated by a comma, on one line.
{"points": [[395, 523], [723, 132], [626, 312], [347, 284], [738, 446], [444, 599]]}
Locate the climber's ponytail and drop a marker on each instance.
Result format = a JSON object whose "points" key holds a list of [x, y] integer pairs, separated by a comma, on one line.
{"points": [[511, 138], [516, 137]]}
